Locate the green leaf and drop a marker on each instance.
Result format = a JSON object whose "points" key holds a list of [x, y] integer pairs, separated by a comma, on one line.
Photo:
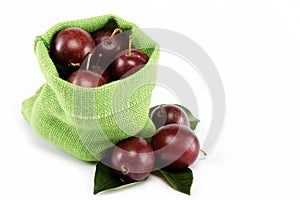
{"points": [[105, 179], [180, 180], [192, 119]]}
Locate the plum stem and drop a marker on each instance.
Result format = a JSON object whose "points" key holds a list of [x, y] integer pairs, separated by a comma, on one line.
{"points": [[75, 64], [124, 170], [117, 30], [88, 61], [130, 45], [161, 109], [203, 152], [98, 59]]}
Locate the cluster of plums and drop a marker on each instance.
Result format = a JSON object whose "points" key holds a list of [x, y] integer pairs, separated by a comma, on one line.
{"points": [[174, 145], [92, 60]]}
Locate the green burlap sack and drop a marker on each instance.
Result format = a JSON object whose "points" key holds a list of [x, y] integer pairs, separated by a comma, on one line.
{"points": [[86, 121]]}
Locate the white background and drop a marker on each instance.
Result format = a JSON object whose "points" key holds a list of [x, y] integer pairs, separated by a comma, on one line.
{"points": [[255, 46]]}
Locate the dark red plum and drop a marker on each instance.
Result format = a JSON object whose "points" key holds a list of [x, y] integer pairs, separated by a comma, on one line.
{"points": [[110, 46], [101, 35], [70, 46], [133, 159], [128, 62], [176, 146], [169, 114], [86, 78]]}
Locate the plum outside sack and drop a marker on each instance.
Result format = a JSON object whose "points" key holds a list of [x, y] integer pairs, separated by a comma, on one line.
{"points": [[85, 122]]}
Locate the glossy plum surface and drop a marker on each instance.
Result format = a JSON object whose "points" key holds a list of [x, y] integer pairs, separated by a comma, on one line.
{"points": [[86, 78], [169, 114], [133, 159], [70, 46], [102, 71], [101, 35], [126, 65], [176, 146], [110, 46]]}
